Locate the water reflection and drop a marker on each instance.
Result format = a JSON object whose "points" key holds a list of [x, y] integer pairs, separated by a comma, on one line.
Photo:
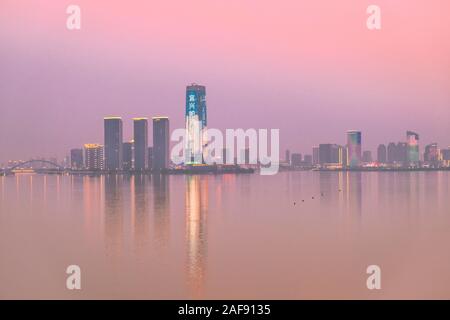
{"points": [[196, 234], [113, 217], [353, 190], [328, 185], [2, 183], [161, 207], [398, 220], [140, 209]]}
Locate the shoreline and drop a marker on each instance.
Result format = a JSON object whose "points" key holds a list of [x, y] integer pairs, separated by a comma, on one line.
{"points": [[214, 170]]}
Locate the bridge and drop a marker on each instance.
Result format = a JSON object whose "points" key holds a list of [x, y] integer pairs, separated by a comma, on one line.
{"points": [[6, 171]]}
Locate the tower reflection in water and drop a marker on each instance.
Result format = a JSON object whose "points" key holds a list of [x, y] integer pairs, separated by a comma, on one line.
{"points": [[140, 210], [161, 208], [354, 194], [196, 234], [114, 217]]}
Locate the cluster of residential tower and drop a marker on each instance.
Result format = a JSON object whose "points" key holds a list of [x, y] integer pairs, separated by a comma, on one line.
{"points": [[395, 155], [136, 155]]}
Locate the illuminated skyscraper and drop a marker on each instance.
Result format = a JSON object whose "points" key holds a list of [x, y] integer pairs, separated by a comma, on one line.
{"points": [[140, 126], [196, 122], [353, 148], [160, 143], [412, 139], [113, 143], [93, 156]]}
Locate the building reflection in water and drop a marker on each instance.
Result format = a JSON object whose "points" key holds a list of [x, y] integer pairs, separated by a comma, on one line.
{"points": [[114, 219], [353, 192], [328, 185], [139, 185], [161, 208], [196, 206], [87, 193]]}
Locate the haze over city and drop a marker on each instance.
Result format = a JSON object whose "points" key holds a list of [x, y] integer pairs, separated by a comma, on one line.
{"points": [[267, 71], [250, 151]]}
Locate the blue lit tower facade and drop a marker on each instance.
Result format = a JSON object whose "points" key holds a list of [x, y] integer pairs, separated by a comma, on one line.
{"points": [[353, 148], [196, 122]]}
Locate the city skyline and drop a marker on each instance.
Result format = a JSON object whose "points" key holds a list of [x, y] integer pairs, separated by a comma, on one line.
{"points": [[339, 153], [137, 154]]}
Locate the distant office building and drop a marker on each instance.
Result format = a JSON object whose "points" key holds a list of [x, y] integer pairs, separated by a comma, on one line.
{"points": [[431, 155], [296, 159], [367, 156], [76, 158], [315, 155], [160, 143], [307, 160], [353, 148], [382, 153], [288, 156], [330, 154], [127, 157], [402, 153], [445, 155], [196, 123], [113, 143], [150, 157], [412, 139], [391, 152], [93, 155], [140, 129]]}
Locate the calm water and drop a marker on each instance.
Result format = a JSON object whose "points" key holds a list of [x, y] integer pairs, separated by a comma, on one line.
{"points": [[230, 236]]}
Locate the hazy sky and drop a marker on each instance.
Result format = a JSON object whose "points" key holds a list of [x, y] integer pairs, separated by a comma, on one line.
{"points": [[310, 68]]}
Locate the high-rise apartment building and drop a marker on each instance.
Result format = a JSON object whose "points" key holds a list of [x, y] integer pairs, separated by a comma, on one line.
{"points": [[127, 157], [412, 139], [160, 143], [93, 155], [140, 129], [113, 143]]}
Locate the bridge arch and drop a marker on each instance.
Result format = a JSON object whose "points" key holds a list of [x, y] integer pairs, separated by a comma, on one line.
{"points": [[35, 161]]}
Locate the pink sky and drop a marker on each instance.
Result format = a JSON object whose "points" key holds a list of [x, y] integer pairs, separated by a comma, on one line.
{"points": [[310, 68]]}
